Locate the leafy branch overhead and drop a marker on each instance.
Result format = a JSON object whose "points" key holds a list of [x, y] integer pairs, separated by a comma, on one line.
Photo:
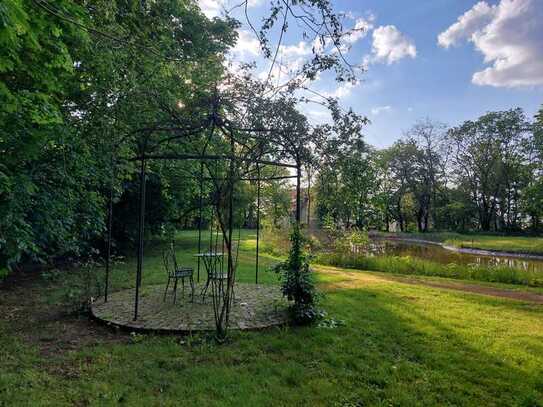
{"points": [[319, 24]]}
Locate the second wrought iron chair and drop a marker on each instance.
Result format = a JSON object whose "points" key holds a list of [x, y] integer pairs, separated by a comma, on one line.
{"points": [[176, 273]]}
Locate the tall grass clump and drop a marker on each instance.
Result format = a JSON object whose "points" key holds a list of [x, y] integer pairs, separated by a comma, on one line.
{"points": [[275, 240], [415, 266]]}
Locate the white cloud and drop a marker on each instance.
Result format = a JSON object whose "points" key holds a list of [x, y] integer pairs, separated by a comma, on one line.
{"points": [[510, 37], [213, 8], [343, 90], [247, 44], [290, 61], [319, 113], [376, 111], [281, 71], [301, 49], [467, 25], [318, 116], [361, 28], [254, 3], [390, 45], [318, 45]]}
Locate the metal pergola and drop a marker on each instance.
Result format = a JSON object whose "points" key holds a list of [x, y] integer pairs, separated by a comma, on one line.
{"points": [[256, 156]]}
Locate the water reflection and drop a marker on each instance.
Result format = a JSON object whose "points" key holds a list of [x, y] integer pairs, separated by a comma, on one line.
{"points": [[439, 254]]}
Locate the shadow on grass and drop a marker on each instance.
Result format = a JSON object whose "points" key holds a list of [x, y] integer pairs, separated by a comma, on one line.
{"points": [[408, 353], [398, 346]]}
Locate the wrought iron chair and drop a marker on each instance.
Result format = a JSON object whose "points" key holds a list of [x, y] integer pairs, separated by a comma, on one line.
{"points": [[215, 274], [176, 273]]}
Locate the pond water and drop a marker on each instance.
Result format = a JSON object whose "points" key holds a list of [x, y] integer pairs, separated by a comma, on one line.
{"points": [[439, 254]]}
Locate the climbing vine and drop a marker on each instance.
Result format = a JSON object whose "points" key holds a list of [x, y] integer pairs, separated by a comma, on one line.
{"points": [[297, 281]]}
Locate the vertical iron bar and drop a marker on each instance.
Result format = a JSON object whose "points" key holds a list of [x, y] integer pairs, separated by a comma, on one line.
{"points": [[308, 195], [298, 209], [140, 237], [109, 227], [230, 270], [211, 226], [217, 236], [257, 222], [200, 218]]}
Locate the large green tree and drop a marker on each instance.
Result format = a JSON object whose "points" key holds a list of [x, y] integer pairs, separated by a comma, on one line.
{"points": [[346, 178], [83, 86], [489, 158], [532, 195], [47, 198]]}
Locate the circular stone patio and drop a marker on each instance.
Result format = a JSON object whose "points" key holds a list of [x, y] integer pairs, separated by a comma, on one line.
{"points": [[255, 307]]}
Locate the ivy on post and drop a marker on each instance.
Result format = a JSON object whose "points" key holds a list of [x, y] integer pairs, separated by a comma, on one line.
{"points": [[297, 283]]}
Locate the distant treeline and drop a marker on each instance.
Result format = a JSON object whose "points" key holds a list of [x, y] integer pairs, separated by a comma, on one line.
{"points": [[484, 174]]}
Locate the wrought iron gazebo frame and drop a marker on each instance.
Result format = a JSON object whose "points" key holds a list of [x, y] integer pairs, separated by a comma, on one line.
{"points": [[283, 145]]}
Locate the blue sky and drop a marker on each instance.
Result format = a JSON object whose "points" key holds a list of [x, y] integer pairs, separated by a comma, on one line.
{"points": [[488, 59]]}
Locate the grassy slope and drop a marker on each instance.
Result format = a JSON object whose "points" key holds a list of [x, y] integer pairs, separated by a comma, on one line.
{"points": [[400, 345], [513, 244]]}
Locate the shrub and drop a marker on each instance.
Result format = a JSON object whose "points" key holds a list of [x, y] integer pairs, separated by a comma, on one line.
{"points": [[76, 288], [274, 241], [297, 283]]}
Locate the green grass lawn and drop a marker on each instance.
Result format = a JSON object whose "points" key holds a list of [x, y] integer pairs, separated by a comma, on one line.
{"points": [[123, 272], [398, 344]]}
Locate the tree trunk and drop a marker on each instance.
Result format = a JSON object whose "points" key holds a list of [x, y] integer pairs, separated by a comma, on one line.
{"points": [[485, 216], [420, 227], [485, 224], [426, 222], [400, 215]]}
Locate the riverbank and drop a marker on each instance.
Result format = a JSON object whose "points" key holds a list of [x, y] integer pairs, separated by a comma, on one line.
{"points": [[509, 246], [413, 266]]}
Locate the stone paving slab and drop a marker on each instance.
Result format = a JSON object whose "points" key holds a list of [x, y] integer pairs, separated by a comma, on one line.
{"points": [[255, 307]]}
